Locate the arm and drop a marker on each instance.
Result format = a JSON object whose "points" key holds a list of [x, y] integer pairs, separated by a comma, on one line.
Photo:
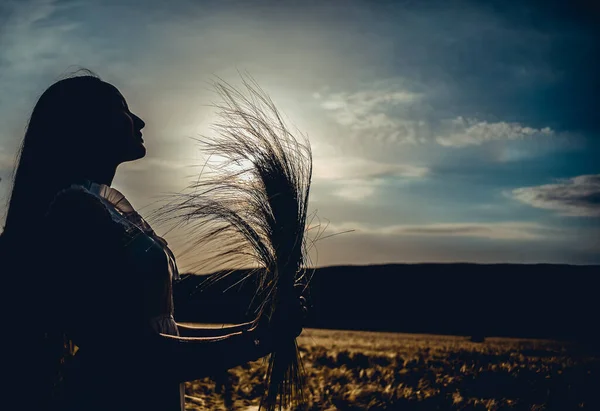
{"points": [[88, 234], [187, 359], [193, 331]]}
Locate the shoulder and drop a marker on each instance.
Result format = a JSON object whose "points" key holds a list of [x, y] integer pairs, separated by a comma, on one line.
{"points": [[76, 206], [76, 198]]}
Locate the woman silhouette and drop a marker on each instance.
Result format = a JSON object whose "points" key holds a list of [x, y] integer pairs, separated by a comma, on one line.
{"points": [[104, 336]]}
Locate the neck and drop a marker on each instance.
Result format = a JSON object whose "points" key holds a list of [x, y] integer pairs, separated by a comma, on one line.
{"points": [[102, 175]]}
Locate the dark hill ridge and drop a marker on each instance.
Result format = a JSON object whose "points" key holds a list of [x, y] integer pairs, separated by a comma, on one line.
{"points": [[539, 300]]}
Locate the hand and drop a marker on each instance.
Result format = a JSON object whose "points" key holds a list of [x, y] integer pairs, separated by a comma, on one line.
{"points": [[285, 324], [291, 320]]}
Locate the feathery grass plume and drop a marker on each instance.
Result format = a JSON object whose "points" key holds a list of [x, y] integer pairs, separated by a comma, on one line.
{"points": [[249, 209]]}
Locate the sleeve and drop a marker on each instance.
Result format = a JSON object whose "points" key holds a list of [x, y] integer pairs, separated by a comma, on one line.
{"points": [[77, 211]]}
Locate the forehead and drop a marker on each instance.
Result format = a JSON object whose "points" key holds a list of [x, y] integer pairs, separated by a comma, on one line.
{"points": [[114, 94]]}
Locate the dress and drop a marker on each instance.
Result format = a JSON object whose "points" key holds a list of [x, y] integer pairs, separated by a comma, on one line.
{"points": [[118, 285]]}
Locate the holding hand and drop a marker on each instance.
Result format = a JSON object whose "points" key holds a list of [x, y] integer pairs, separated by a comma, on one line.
{"points": [[284, 324]]}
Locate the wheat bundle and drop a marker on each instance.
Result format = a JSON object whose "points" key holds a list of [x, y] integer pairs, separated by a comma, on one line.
{"points": [[249, 209]]}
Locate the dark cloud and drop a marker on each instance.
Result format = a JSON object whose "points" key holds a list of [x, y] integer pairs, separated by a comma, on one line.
{"points": [[464, 230], [578, 196], [362, 248]]}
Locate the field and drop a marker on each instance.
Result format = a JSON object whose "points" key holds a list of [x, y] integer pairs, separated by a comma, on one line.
{"points": [[350, 370]]}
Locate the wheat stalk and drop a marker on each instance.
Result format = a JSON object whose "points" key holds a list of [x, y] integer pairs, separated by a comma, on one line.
{"points": [[250, 210]]}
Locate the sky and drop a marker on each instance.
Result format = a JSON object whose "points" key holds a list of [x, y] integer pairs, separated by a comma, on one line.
{"points": [[441, 131]]}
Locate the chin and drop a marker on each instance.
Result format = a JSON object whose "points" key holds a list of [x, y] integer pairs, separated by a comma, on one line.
{"points": [[135, 153], [141, 153]]}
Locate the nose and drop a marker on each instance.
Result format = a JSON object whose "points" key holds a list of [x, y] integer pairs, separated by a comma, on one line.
{"points": [[139, 123]]}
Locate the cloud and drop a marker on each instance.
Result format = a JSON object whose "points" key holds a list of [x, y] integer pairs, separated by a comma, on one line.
{"points": [[467, 132], [372, 111], [356, 178], [157, 164], [355, 192], [359, 248], [393, 115], [496, 231], [578, 196], [362, 109], [359, 168], [36, 36]]}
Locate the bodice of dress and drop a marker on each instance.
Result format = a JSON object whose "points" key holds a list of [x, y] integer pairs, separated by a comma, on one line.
{"points": [[150, 255]]}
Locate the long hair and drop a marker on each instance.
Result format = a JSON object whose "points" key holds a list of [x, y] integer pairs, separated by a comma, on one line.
{"points": [[52, 151], [52, 156]]}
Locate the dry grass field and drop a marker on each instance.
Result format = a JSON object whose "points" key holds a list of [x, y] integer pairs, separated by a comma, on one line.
{"points": [[350, 370]]}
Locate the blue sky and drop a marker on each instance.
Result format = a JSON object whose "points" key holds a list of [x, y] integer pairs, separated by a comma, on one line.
{"points": [[441, 131]]}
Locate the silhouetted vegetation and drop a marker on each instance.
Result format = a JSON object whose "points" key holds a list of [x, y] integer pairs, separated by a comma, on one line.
{"points": [[538, 301]]}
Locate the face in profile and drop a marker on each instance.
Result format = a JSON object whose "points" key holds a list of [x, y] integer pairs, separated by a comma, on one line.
{"points": [[121, 128]]}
